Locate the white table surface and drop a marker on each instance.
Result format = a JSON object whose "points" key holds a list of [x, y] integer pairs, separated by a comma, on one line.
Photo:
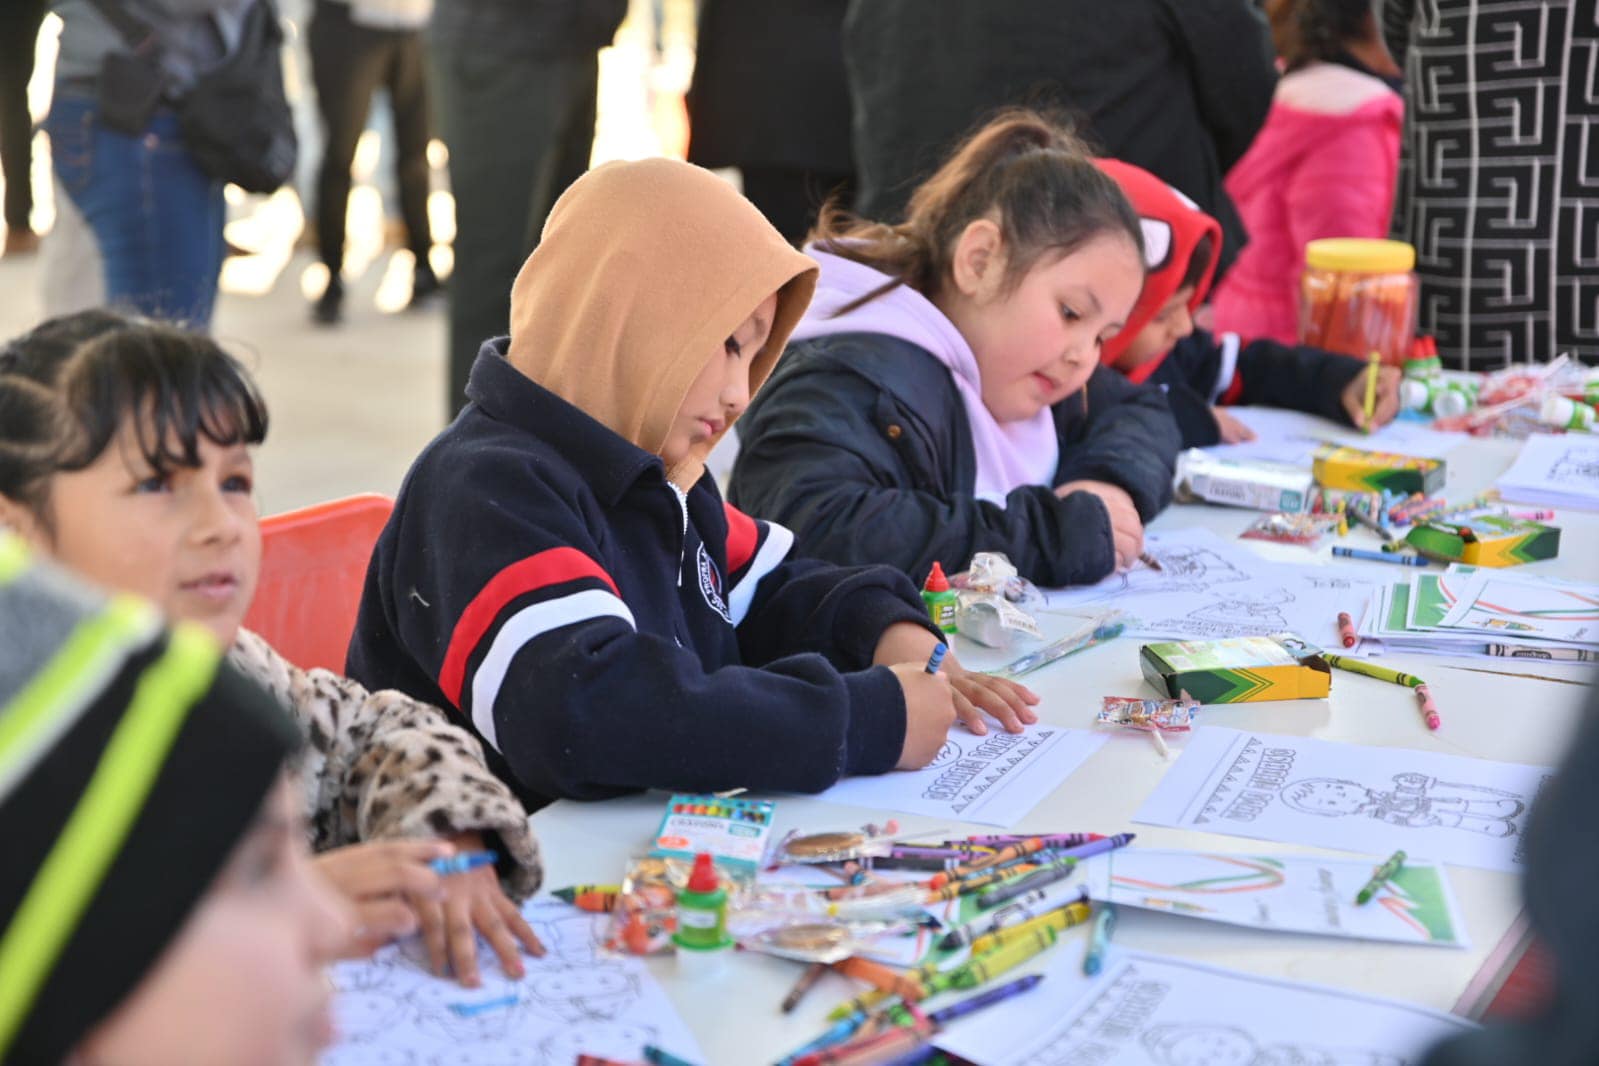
{"points": [[1514, 719]]}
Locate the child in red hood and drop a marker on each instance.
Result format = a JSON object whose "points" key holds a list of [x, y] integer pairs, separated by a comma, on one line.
{"points": [[1203, 372]]}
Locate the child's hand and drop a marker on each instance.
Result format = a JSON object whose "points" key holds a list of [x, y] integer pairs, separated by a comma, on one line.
{"points": [[929, 712], [379, 879], [1387, 405], [975, 694], [1231, 429], [473, 903], [1126, 528], [904, 642]]}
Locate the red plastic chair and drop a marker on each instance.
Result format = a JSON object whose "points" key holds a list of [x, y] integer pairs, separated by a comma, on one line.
{"points": [[313, 565]]}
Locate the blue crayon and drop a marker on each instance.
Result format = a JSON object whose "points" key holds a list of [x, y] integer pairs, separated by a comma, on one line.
{"points": [[1380, 557], [460, 864], [837, 1033], [661, 1057], [937, 658]]}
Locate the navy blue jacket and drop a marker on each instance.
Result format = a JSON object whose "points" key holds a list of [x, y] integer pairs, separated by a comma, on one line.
{"points": [[1202, 370], [859, 443], [540, 576]]}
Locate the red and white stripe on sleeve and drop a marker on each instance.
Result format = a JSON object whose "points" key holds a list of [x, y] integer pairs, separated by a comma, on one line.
{"points": [[534, 596], [755, 548]]}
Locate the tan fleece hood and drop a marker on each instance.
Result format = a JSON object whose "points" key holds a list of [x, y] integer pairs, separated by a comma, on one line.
{"points": [[643, 271]]}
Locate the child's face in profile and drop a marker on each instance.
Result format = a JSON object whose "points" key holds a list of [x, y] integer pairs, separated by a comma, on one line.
{"points": [[722, 390], [187, 540], [242, 981], [1038, 343], [1171, 324]]}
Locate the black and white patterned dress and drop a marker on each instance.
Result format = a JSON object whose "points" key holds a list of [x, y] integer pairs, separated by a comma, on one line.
{"points": [[1499, 175]]}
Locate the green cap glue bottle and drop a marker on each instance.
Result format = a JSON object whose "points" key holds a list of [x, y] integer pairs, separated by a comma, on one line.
{"points": [[940, 599], [701, 937]]}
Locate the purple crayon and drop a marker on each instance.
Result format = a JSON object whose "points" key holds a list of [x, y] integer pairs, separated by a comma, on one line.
{"points": [[1051, 840], [1096, 847]]}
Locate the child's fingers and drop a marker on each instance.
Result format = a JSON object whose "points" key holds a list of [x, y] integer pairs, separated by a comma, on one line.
{"points": [[378, 922], [519, 927], [430, 915], [461, 939], [1005, 706], [969, 715], [492, 928]]}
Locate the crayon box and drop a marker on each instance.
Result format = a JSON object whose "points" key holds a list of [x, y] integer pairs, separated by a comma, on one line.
{"points": [[1356, 470], [736, 831], [1486, 540], [1237, 670], [1256, 485]]}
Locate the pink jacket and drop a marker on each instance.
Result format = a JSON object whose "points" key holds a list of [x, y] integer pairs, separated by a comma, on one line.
{"points": [[1324, 165]]}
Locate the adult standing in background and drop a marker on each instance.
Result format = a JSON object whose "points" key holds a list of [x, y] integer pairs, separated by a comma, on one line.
{"points": [[156, 215], [19, 35], [1499, 174], [517, 85], [355, 46], [1178, 87], [771, 98]]}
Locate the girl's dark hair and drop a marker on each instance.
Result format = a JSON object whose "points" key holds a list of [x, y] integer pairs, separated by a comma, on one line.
{"points": [[1028, 169], [68, 387], [1320, 30]]}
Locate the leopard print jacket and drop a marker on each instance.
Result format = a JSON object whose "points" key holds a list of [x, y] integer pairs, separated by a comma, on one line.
{"points": [[381, 765]]}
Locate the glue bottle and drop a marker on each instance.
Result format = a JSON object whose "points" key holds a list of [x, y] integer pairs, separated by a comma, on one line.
{"points": [[701, 937], [1437, 397], [940, 599], [1563, 413]]}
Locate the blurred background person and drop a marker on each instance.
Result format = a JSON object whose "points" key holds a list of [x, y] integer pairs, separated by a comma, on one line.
{"points": [[19, 35]]}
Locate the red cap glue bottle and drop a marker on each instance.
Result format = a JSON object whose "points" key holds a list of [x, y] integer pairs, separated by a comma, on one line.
{"points": [[701, 938], [940, 599]]}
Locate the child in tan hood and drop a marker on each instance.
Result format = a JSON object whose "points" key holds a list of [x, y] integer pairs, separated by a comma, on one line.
{"points": [[561, 570]]}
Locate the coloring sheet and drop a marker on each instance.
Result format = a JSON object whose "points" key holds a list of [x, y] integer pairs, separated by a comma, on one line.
{"points": [[1151, 1010], [1558, 470], [1290, 894], [992, 780], [1292, 437], [390, 1011], [1208, 588], [1447, 808], [1499, 605]]}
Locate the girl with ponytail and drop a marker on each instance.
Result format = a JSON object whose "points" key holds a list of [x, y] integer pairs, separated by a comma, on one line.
{"points": [[943, 395]]}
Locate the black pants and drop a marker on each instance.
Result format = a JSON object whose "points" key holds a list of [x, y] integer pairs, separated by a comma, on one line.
{"points": [[348, 63], [520, 130], [19, 32], [790, 197]]}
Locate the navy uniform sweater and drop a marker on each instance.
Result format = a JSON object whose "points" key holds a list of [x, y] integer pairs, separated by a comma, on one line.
{"points": [[541, 576]]}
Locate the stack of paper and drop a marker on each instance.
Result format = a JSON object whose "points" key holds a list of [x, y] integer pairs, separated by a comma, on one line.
{"points": [[1472, 611], [1291, 437], [1556, 471]]}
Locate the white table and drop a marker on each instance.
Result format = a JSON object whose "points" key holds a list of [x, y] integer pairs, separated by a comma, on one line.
{"points": [[1514, 719]]}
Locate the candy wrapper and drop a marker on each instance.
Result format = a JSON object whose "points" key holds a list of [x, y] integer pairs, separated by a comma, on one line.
{"points": [[645, 915], [1305, 530], [809, 940], [992, 598], [870, 841], [1133, 712]]}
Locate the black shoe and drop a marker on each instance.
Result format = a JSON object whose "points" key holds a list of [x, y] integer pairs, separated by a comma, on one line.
{"points": [[424, 286], [329, 310]]}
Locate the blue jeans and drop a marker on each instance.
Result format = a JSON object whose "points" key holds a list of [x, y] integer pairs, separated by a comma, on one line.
{"points": [[155, 215]]}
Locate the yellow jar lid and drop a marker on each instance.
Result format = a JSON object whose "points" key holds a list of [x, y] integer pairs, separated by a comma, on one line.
{"points": [[1360, 255]]}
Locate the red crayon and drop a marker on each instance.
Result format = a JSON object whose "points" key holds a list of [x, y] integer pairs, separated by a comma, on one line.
{"points": [[1428, 710], [1346, 629]]}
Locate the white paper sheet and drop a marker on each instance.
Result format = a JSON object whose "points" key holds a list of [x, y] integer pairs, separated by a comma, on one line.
{"points": [[391, 1012], [1556, 470], [1209, 588], [1290, 894], [991, 780], [1293, 437], [1504, 606], [1150, 1010], [1446, 808]]}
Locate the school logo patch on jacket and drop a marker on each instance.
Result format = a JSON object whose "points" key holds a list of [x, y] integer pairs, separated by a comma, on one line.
{"points": [[711, 585]]}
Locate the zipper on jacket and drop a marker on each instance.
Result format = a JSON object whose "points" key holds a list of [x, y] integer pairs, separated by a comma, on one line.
{"points": [[682, 544]]}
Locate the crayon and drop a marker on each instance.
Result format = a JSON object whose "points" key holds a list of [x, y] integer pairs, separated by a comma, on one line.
{"points": [[1429, 710], [660, 1057], [890, 1044], [1520, 651], [1151, 562], [1379, 557], [1365, 669], [1047, 874], [1370, 406], [472, 1010], [598, 899], [912, 862], [1099, 939], [1003, 855], [985, 999], [841, 1029], [967, 885], [882, 978], [1097, 847], [1346, 630], [1362, 519], [1061, 918], [807, 981], [1051, 840], [937, 657], [1533, 516], [1379, 876], [984, 968], [460, 864]]}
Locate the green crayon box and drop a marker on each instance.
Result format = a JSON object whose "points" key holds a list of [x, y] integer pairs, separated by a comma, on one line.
{"points": [[1357, 470], [1486, 540], [1237, 669]]}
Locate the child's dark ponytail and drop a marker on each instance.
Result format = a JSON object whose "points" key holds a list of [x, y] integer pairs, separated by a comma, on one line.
{"points": [[1321, 30], [1028, 172]]}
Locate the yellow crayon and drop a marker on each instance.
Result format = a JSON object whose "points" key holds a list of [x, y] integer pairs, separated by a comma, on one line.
{"points": [[985, 968], [1058, 919]]}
